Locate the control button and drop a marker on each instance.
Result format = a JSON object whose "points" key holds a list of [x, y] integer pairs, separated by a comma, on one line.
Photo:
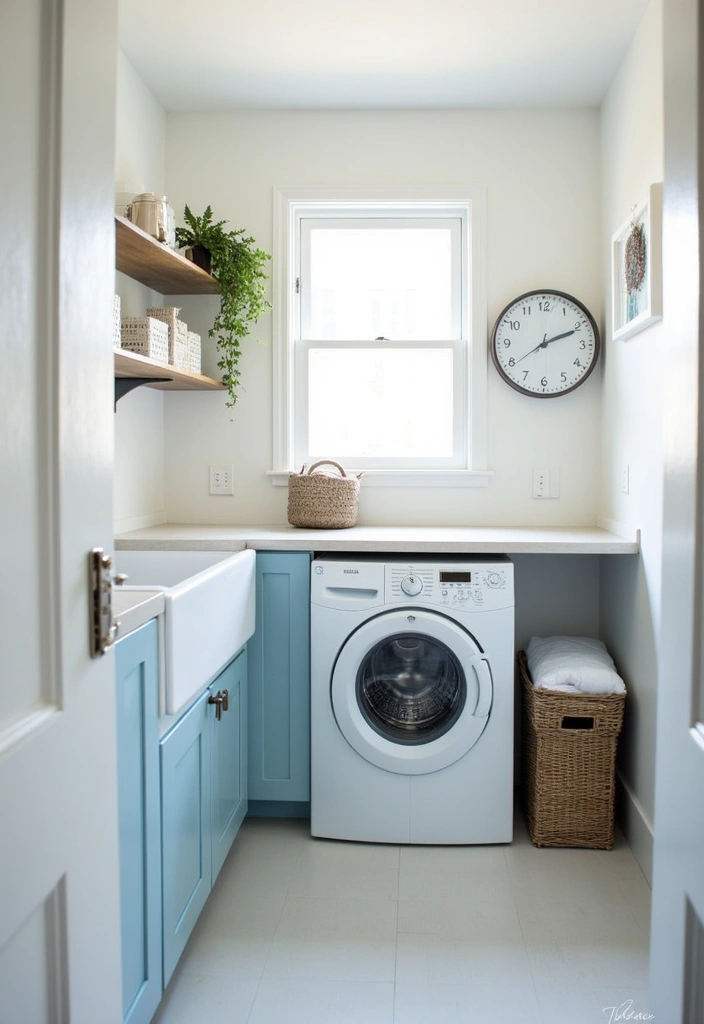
{"points": [[411, 585], [494, 579]]}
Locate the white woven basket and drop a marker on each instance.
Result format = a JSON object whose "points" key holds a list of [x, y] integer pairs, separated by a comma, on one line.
{"points": [[178, 334], [194, 356], [321, 500], [147, 336], [116, 321]]}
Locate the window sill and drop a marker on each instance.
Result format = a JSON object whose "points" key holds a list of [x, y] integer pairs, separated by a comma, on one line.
{"points": [[408, 478]]}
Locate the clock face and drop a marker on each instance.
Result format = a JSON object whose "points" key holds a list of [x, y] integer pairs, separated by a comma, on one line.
{"points": [[545, 344]]}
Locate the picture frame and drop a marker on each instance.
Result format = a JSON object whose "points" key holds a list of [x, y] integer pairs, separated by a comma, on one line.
{"points": [[636, 268]]}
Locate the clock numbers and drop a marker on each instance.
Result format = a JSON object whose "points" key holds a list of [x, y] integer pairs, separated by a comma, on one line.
{"points": [[545, 344]]}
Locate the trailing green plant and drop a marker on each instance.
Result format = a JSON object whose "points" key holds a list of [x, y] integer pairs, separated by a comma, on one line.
{"points": [[238, 267]]}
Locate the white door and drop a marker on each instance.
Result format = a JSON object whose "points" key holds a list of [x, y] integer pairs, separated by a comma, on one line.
{"points": [[677, 946], [59, 923]]}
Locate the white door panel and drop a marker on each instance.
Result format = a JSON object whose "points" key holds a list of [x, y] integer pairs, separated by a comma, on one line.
{"points": [[677, 948], [59, 923]]}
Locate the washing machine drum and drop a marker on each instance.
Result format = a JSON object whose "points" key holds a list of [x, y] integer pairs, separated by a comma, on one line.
{"points": [[411, 691]]}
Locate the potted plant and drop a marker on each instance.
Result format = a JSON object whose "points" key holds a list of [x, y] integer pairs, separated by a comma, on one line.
{"points": [[238, 267]]}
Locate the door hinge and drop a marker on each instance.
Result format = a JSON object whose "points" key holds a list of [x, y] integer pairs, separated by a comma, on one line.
{"points": [[103, 627], [298, 285]]}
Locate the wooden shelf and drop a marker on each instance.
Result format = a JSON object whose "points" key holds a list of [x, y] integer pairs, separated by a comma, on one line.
{"points": [[130, 364], [157, 266]]}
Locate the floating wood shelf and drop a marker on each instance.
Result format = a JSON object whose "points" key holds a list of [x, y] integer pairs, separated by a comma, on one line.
{"points": [[165, 378], [157, 266]]}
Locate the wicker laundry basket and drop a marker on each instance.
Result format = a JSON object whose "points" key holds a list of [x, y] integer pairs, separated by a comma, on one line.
{"points": [[568, 764], [321, 500]]}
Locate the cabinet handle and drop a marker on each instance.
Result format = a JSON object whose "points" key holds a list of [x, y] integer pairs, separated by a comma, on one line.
{"points": [[218, 701], [225, 700]]}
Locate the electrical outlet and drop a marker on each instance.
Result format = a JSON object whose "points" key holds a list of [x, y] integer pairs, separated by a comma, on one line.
{"points": [[546, 483], [626, 478], [541, 483], [222, 480]]}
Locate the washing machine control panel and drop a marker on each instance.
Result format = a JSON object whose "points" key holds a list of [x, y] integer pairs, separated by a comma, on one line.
{"points": [[462, 587]]}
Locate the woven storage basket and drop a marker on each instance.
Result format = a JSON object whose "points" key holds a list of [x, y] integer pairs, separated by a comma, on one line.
{"points": [[147, 336], [116, 321], [178, 334], [568, 764], [194, 363], [321, 501]]}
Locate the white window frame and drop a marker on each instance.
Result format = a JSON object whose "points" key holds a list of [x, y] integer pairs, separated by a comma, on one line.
{"points": [[292, 203]]}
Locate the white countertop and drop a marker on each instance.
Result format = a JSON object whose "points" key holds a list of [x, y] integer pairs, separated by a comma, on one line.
{"points": [[608, 539], [132, 608]]}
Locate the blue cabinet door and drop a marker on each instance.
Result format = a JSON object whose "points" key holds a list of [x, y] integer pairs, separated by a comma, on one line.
{"points": [[136, 688], [186, 828], [279, 679], [228, 760]]}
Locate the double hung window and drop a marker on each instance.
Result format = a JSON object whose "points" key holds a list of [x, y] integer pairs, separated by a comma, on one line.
{"points": [[376, 336]]}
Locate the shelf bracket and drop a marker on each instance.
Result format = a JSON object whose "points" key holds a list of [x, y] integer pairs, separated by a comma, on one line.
{"points": [[123, 385]]}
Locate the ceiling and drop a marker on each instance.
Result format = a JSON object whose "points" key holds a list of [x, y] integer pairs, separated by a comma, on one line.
{"points": [[329, 54]]}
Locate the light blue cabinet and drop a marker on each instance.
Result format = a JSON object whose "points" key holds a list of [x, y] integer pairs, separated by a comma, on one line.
{"points": [[203, 799], [228, 760], [136, 687], [185, 823], [279, 684]]}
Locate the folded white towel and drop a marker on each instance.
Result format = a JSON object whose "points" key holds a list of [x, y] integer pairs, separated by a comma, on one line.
{"points": [[572, 663]]}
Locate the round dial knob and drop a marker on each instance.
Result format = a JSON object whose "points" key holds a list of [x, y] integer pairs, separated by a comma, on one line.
{"points": [[411, 585]]}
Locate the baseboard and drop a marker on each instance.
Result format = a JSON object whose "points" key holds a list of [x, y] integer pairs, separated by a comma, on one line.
{"points": [[139, 522], [636, 827]]}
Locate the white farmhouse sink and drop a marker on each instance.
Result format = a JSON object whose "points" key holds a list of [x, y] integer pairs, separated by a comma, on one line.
{"points": [[208, 614]]}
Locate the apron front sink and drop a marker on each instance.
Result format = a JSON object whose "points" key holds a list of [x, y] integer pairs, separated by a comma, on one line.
{"points": [[208, 613]]}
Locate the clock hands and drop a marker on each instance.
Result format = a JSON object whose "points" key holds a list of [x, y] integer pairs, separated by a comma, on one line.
{"points": [[544, 343]]}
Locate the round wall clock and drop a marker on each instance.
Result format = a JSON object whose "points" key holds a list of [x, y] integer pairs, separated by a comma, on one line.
{"points": [[545, 344]]}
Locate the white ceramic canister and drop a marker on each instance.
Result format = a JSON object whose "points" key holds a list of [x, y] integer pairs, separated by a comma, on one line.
{"points": [[150, 213]]}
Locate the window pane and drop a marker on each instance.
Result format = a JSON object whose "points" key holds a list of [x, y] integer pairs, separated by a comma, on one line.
{"points": [[380, 403], [375, 282]]}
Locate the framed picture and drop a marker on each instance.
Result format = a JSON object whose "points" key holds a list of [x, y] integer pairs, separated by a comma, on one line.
{"points": [[636, 267]]}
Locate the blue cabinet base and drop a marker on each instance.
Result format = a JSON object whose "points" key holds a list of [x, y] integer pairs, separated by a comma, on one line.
{"points": [[137, 700], [279, 809], [279, 683], [203, 801]]}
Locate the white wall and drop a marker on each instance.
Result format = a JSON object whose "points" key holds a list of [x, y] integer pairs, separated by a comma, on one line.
{"points": [[541, 171], [542, 174], [139, 419], [632, 147]]}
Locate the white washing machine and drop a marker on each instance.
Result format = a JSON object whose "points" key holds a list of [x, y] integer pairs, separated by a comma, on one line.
{"points": [[412, 699]]}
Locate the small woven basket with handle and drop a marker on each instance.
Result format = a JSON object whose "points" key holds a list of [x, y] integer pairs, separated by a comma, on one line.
{"points": [[323, 501]]}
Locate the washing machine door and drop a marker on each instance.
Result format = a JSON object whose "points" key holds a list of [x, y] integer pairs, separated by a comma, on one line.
{"points": [[411, 691]]}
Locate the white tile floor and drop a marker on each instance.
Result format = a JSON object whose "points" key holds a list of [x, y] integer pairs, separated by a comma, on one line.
{"points": [[311, 931]]}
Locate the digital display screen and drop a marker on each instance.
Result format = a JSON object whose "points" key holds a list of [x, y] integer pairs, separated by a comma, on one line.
{"points": [[455, 577]]}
